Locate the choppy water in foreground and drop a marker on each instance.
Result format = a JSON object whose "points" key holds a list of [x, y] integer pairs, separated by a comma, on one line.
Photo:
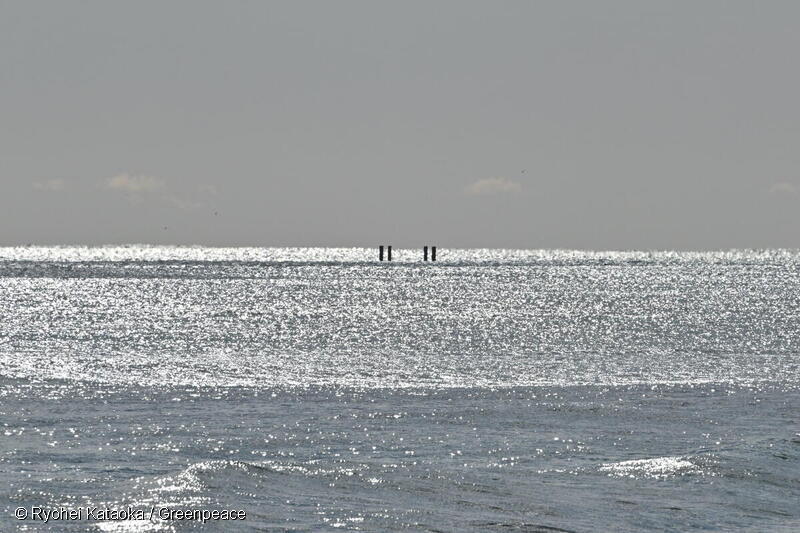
{"points": [[318, 389]]}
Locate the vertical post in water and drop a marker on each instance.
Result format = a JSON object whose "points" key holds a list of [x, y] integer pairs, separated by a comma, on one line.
{"points": [[433, 253], [424, 253], [380, 252], [389, 254]]}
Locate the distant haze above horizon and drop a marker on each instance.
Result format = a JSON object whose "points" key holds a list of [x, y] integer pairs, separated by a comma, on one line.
{"points": [[572, 125]]}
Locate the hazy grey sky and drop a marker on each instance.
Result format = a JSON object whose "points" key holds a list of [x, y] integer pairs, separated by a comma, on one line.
{"points": [[595, 124]]}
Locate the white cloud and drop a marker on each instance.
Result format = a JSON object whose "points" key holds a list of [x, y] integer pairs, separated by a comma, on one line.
{"points": [[129, 183], [783, 188], [207, 189], [50, 185], [185, 203], [492, 186]]}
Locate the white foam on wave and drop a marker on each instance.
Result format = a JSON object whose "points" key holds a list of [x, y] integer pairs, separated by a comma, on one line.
{"points": [[134, 526], [654, 468]]}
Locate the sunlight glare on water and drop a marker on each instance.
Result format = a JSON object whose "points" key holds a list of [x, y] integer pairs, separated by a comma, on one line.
{"points": [[300, 317]]}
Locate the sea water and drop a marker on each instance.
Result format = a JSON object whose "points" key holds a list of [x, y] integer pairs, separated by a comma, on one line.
{"points": [[322, 390]]}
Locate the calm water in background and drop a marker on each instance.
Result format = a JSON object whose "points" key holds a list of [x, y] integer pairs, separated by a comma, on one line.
{"points": [[320, 390]]}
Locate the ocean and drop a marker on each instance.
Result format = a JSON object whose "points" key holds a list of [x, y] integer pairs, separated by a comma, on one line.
{"points": [[323, 390]]}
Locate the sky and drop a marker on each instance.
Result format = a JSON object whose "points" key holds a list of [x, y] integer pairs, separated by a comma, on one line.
{"points": [[606, 125]]}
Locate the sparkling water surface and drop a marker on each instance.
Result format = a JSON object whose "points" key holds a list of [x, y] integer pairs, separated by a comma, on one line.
{"points": [[319, 389]]}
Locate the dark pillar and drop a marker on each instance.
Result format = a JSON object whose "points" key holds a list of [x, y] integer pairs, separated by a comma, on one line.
{"points": [[433, 253], [389, 254], [424, 253], [380, 252]]}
